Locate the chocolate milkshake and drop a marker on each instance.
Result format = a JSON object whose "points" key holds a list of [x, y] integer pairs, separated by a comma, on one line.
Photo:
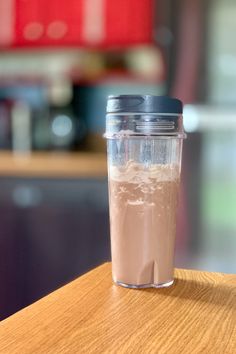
{"points": [[144, 144], [143, 220]]}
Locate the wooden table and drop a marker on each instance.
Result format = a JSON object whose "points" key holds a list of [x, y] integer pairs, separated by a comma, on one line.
{"points": [[91, 315]]}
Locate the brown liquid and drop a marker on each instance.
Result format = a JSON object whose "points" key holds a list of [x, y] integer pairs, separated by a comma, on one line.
{"points": [[143, 223]]}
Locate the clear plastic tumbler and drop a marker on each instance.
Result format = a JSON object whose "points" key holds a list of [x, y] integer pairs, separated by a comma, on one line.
{"points": [[144, 140]]}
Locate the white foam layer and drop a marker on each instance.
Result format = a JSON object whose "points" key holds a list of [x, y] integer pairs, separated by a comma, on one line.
{"points": [[133, 172]]}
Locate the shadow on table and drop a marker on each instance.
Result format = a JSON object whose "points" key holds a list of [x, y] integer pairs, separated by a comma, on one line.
{"points": [[195, 290]]}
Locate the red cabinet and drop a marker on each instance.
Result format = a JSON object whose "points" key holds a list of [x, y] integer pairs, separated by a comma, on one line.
{"points": [[85, 23]]}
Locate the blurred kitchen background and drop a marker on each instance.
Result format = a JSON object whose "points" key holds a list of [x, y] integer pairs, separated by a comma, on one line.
{"points": [[58, 62]]}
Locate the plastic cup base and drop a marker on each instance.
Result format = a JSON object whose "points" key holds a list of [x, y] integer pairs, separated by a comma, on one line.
{"points": [[144, 286]]}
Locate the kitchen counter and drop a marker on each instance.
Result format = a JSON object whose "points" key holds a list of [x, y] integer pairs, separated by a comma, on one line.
{"points": [[53, 164], [92, 315]]}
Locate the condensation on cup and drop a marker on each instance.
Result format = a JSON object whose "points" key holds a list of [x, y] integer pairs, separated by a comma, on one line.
{"points": [[144, 143]]}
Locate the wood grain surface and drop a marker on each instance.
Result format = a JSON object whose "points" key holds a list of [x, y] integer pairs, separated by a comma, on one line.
{"points": [[53, 164], [91, 315]]}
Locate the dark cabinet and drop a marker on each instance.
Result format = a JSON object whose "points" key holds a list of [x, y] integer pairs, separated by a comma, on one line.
{"points": [[51, 232]]}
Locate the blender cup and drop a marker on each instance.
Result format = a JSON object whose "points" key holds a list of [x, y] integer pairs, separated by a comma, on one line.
{"points": [[144, 141]]}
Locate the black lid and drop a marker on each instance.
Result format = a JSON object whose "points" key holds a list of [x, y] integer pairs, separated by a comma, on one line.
{"points": [[144, 104]]}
